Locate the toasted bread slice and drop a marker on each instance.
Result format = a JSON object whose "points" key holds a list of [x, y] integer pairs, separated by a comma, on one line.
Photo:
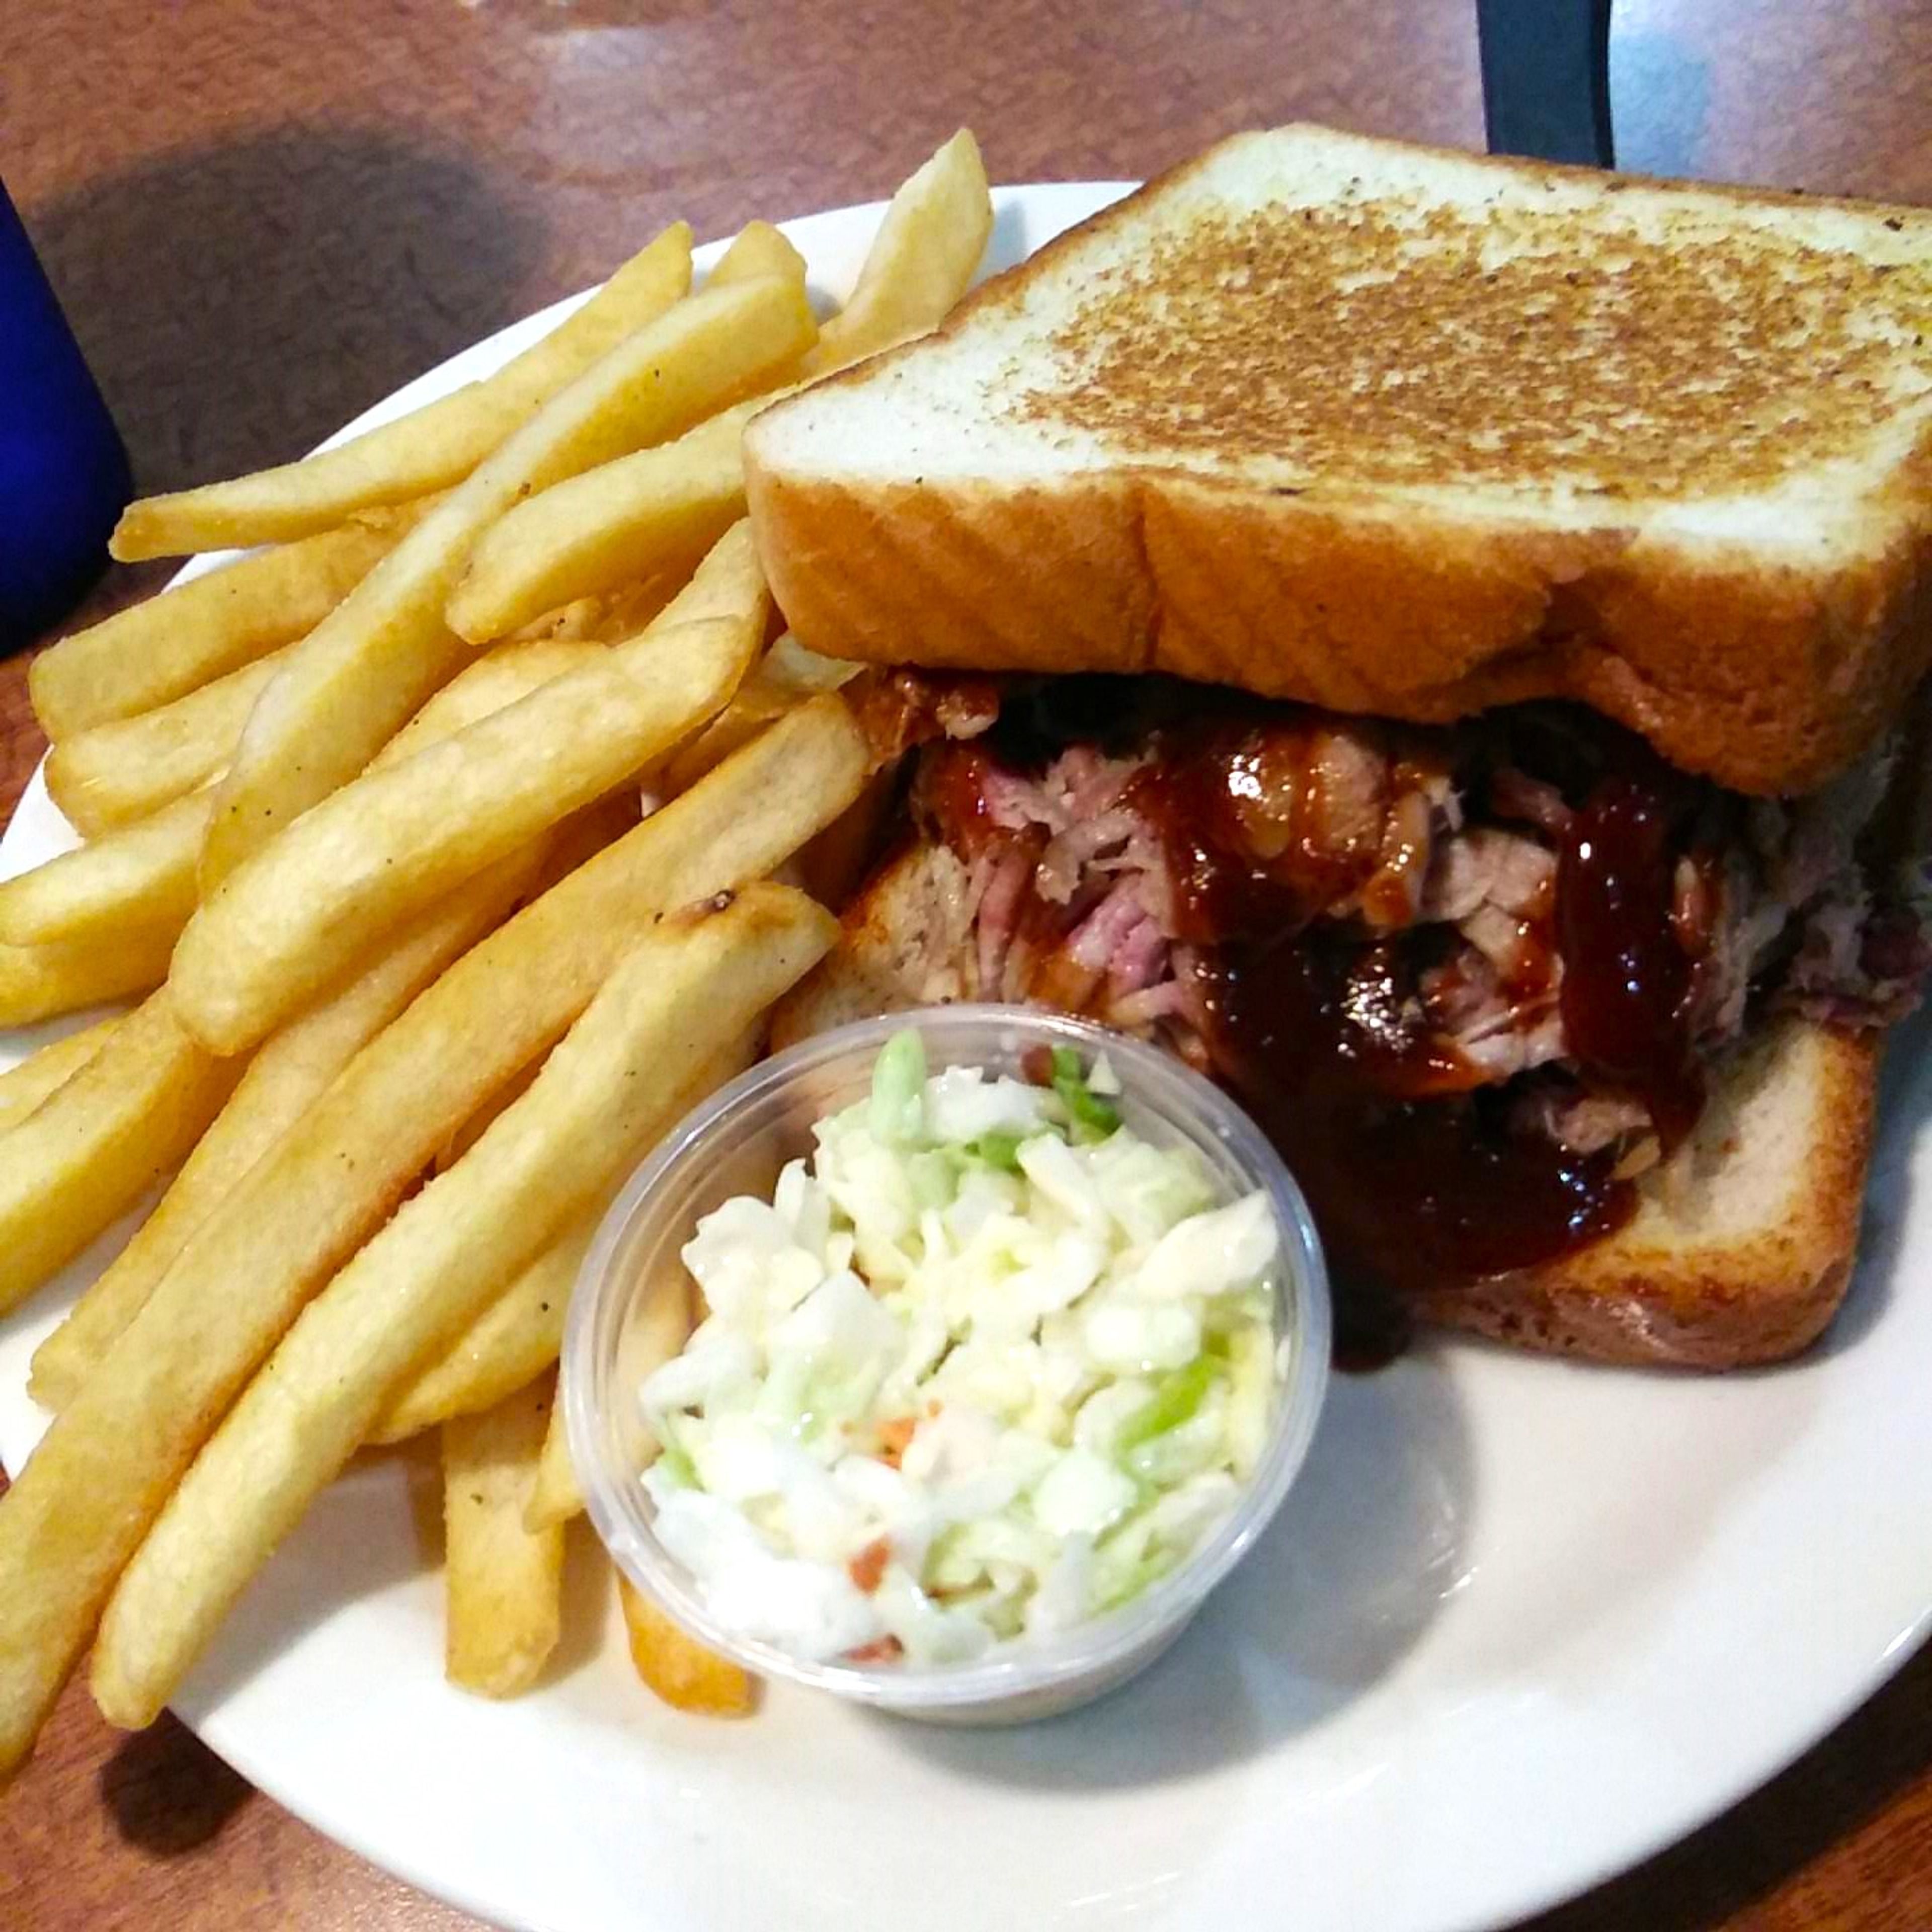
{"points": [[904, 941], [1400, 430], [1742, 1247]]}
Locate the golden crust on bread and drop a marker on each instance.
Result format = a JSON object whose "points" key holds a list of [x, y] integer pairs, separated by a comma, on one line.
{"points": [[1653, 372], [1769, 682], [1054, 482]]}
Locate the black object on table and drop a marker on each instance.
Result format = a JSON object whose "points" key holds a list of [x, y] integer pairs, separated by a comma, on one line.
{"points": [[1546, 79]]}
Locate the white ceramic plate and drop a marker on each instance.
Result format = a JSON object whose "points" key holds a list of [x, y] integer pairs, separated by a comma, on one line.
{"points": [[1519, 1624]]}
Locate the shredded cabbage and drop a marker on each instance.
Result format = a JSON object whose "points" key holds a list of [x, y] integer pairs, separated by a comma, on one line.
{"points": [[988, 1364]]}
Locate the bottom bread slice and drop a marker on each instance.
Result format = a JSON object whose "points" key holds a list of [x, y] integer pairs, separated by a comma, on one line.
{"points": [[1742, 1247]]}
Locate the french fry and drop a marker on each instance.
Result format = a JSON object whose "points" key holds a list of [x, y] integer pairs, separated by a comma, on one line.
{"points": [[40, 983], [23, 1087], [141, 874], [283, 1080], [786, 677], [759, 249], [70, 1523], [493, 683], [678, 1668], [513, 1340], [503, 1584], [296, 1064], [610, 526], [518, 1336], [397, 838], [695, 980], [184, 637], [427, 449], [114, 774], [557, 1496], [111, 1132], [146, 875], [658, 1330], [920, 261], [359, 674]]}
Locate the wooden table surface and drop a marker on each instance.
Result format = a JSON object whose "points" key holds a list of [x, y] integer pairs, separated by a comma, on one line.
{"points": [[263, 217]]}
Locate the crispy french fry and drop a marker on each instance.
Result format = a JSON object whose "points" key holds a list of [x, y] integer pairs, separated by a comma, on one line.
{"points": [[516, 1338], [658, 1330], [283, 1080], [39, 982], [473, 1129], [920, 261], [366, 857], [143, 874], [759, 249], [355, 678], [114, 774], [110, 1132], [503, 1585], [493, 683], [70, 1521], [557, 1496], [677, 1667], [181, 640], [519, 1334], [297, 1064], [580, 620], [427, 449], [611, 526], [786, 677], [621, 521], [695, 980], [23, 1087]]}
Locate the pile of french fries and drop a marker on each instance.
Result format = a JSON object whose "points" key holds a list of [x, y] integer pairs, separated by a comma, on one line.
{"points": [[434, 843]]}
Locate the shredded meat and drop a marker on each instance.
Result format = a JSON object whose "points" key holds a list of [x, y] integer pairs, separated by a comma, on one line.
{"points": [[1859, 965], [1584, 1122], [1393, 897], [1442, 843], [1514, 794], [1485, 866], [899, 709]]}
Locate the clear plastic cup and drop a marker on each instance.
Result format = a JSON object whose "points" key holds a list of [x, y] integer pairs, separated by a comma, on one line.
{"points": [[736, 1143]]}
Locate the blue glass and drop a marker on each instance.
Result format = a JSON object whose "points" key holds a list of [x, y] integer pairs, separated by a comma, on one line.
{"points": [[64, 477]]}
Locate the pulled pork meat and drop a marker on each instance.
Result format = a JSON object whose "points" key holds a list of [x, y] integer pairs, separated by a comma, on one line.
{"points": [[899, 709], [1108, 865]]}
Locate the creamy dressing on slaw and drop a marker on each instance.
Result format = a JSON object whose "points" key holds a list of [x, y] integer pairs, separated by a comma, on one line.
{"points": [[986, 1366]]}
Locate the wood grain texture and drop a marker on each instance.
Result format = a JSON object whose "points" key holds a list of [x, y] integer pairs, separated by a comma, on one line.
{"points": [[263, 216]]}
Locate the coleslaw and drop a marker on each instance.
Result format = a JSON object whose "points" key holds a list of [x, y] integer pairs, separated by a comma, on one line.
{"points": [[986, 1366]]}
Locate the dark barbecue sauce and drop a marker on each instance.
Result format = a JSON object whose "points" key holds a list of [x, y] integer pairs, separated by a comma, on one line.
{"points": [[1420, 1174], [1417, 1175], [1414, 1183], [1627, 980]]}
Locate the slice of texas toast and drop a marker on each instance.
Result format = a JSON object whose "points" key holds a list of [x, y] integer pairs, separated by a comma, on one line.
{"points": [[1740, 1252], [1401, 430], [1742, 1246], [904, 941]]}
